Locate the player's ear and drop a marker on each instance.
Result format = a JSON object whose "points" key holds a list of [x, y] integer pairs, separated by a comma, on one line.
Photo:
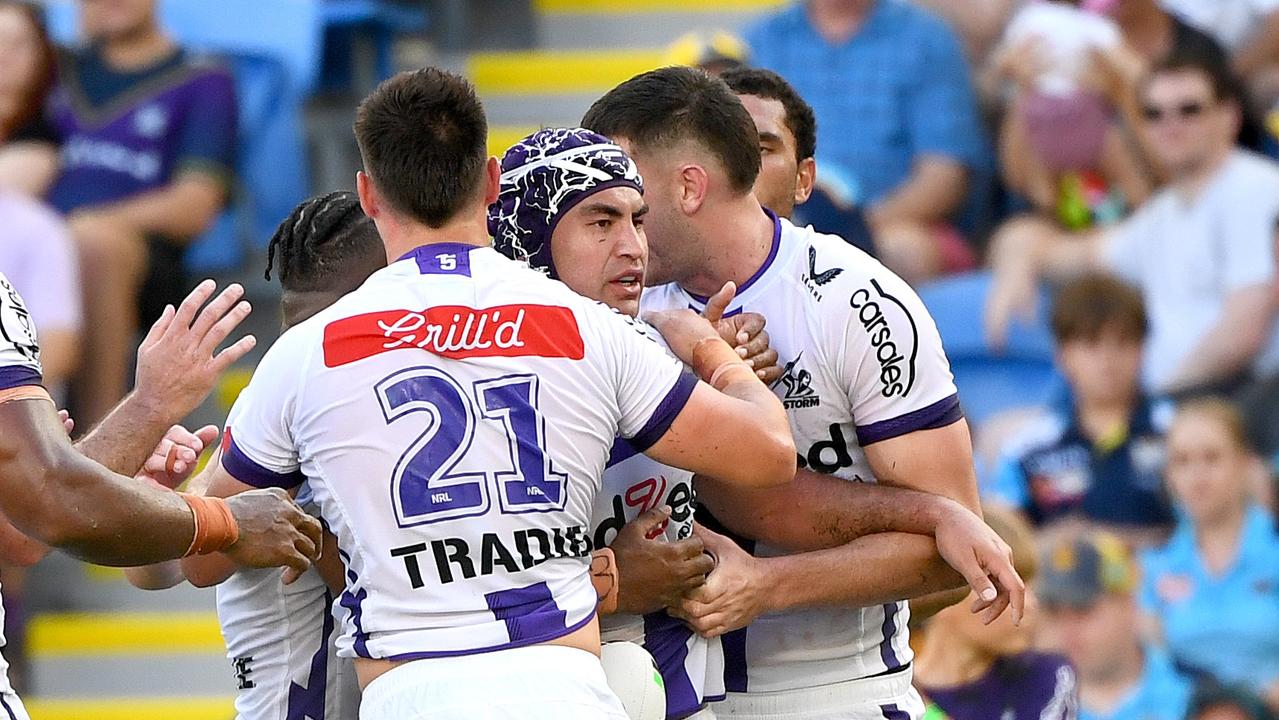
{"points": [[492, 181], [694, 184], [805, 177], [367, 194]]}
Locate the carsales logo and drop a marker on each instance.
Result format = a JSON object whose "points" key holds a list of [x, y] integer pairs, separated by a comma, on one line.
{"points": [[455, 331]]}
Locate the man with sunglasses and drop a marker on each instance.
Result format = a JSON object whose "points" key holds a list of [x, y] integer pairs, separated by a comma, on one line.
{"points": [[1199, 249]]}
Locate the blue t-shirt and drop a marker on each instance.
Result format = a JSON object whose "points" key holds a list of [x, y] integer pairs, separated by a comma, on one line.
{"points": [[897, 89], [1161, 693], [1227, 626], [128, 132], [1052, 470]]}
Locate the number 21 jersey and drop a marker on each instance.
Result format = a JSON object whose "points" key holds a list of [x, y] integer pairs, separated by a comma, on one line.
{"points": [[453, 417]]}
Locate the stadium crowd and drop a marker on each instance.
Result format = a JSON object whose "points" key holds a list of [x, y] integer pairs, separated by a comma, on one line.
{"points": [[1120, 155]]}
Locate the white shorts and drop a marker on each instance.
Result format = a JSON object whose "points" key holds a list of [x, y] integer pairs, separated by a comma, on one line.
{"points": [[541, 682], [11, 707], [883, 698], [705, 713]]}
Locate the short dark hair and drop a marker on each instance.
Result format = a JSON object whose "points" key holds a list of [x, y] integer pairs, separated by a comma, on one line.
{"points": [[322, 236], [660, 108], [1087, 305], [769, 85], [423, 137], [1225, 86]]}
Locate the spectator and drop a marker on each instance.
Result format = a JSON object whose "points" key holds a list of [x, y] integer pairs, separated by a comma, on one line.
{"points": [[1061, 146], [971, 671], [28, 155], [1085, 591], [1250, 31], [714, 52], [1214, 703], [148, 146], [1157, 35], [1214, 588], [788, 177], [978, 22], [1199, 250], [890, 88], [1102, 461], [38, 257]]}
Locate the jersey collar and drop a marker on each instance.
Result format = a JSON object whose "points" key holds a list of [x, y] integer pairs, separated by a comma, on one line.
{"points": [[447, 258]]}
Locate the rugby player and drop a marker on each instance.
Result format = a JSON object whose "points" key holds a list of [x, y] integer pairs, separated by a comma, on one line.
{"points": [[453, 416], [571, 205], [280, 638], [870, 398], [56, 495]]}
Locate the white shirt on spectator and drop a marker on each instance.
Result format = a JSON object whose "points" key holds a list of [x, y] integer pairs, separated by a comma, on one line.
{"points": [[37, 255], [1187, 255], [1232, 22], [1067, 36]]}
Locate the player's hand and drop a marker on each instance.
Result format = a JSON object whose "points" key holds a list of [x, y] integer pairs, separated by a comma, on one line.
{"points": [[682, 330], [745, 332], [274, 532], [175, 458], [68, 423], [735, 593], [985, 561], [655, 573], [178, 361]]}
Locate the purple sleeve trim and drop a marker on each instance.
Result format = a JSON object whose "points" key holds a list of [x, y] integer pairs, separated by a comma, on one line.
{"points": [[18, 375], [940, 414], [667, 410], [248, 471]]}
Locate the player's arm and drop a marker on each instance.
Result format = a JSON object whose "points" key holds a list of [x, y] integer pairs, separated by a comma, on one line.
{"points": [[737, 430], [59, 497], [214, 568]]}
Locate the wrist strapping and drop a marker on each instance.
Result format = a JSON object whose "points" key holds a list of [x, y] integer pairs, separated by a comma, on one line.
{"points": [[606, 580], [721, 378], [215, 527], [710, 354]]}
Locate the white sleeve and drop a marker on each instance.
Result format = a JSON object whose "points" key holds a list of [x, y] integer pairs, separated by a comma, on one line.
{"points": [[652, 386], [19, 349], [1247, 238], [258, 448], [1122, 245], [892, 362]]}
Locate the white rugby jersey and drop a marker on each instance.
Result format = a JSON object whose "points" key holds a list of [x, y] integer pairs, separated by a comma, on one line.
{"points": [[19, 365], [281, 642], [863, 363], [454, 416], [692, 667]]}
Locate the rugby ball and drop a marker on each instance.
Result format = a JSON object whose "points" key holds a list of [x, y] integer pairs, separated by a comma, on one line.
{"points": [[633, 676]]}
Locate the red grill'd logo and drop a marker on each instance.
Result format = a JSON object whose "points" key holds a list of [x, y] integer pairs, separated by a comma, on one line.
{"points": [[454, 331]]}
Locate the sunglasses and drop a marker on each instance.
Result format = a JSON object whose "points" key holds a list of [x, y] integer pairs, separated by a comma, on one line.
{"points": [[1183, 111]]}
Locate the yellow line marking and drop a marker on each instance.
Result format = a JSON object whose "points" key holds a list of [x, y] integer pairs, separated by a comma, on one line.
{"points": [[88, 634], [544, 72], [160, 708]]}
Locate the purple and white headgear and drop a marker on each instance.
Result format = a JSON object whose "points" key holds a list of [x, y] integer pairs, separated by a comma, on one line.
{"points": [[543, 177]]}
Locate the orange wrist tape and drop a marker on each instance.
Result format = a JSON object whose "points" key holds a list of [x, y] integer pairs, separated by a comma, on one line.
{"points": [[24, 392], [215, 528], [605, 579], [710, 354], [721, 378]]}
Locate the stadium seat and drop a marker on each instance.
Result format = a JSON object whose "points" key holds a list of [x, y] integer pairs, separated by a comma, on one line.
{"points": [[273, 50], [350, 23], [990, 381]]}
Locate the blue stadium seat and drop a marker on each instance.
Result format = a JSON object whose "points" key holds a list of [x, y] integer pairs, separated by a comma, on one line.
{"points": [[273, 50], [378, 22], [990, 381]]}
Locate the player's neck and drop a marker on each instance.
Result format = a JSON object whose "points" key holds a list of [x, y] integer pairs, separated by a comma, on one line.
{"points": [[402, 236], [947, 662], [740, 245], [147, 46]]}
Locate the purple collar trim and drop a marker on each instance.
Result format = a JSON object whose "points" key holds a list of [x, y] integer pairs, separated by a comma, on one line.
{"points": [[768, 261]]}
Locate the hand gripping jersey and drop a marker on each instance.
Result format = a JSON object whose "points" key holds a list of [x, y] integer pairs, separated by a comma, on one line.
{"points": [[691, 666], [281, 641], [863, 363], [453, 416], [19, 365]]}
